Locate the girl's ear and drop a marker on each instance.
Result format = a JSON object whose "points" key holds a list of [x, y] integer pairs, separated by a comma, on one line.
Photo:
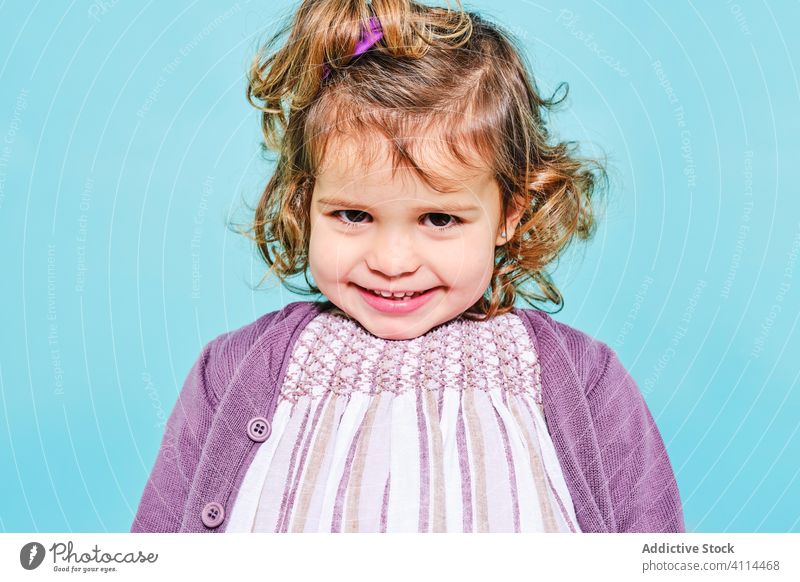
{"points": [[513, 215]]}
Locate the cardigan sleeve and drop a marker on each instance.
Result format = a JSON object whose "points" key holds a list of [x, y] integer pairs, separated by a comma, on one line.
{"points": [[162, 504], [639, 476]]}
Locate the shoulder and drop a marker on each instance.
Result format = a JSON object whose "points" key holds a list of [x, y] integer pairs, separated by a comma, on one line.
{"points": [[565, 348], [228, 350]]}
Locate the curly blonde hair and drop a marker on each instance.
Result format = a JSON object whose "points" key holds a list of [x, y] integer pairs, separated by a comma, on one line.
{"points": [[440, 68]]}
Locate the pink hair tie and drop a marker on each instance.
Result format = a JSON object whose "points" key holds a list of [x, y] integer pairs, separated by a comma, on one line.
{"points": [[368, 39]]}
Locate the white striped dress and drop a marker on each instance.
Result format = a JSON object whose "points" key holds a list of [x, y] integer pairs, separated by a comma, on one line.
{"points": [[440, 433]]}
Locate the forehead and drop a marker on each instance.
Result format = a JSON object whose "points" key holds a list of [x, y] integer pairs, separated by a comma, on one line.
{"points": [[367, 162]]}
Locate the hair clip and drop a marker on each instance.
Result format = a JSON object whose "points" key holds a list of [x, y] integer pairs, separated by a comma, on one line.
{"points": [[368, 39]]}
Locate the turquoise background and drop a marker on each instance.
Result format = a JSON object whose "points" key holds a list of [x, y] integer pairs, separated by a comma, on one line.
{"points": [[126, 144]]}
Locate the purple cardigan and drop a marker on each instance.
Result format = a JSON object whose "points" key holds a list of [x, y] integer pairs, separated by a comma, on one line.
{"points": [[611, 453]]}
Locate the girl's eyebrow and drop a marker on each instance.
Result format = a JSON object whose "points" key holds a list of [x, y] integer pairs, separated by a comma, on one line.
{"points": [[448, 206]]}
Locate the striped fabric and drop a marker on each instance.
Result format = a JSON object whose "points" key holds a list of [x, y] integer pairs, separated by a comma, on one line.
{"points": [[441, 433]]}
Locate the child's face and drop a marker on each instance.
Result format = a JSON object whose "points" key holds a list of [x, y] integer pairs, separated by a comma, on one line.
{"points": [[385, 237]]}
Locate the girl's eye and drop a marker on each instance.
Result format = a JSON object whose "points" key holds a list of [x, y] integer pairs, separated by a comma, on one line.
{"points": [[352, 218], [447, 220], [356, 214]]}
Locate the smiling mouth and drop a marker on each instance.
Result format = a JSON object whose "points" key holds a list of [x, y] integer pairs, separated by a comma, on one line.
{"points": [[399, 295]]}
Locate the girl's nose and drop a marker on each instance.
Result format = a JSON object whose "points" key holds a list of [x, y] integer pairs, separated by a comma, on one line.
{"points": [[393, 255]]}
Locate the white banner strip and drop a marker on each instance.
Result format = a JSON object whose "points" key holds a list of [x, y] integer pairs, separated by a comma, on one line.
{"points": [[376, 557]]}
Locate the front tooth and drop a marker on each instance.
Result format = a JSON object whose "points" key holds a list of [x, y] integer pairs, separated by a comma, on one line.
{"points": [[395, 295]]}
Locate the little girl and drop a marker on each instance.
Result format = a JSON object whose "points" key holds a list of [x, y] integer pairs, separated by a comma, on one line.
{"points": [[417, 182]]}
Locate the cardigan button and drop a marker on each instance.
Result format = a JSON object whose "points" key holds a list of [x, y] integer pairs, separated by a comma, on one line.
{"points": [[258, 429], [213, 514]]}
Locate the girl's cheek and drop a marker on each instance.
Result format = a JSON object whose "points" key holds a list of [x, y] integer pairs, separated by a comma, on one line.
{"points": [[329, 251]]}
